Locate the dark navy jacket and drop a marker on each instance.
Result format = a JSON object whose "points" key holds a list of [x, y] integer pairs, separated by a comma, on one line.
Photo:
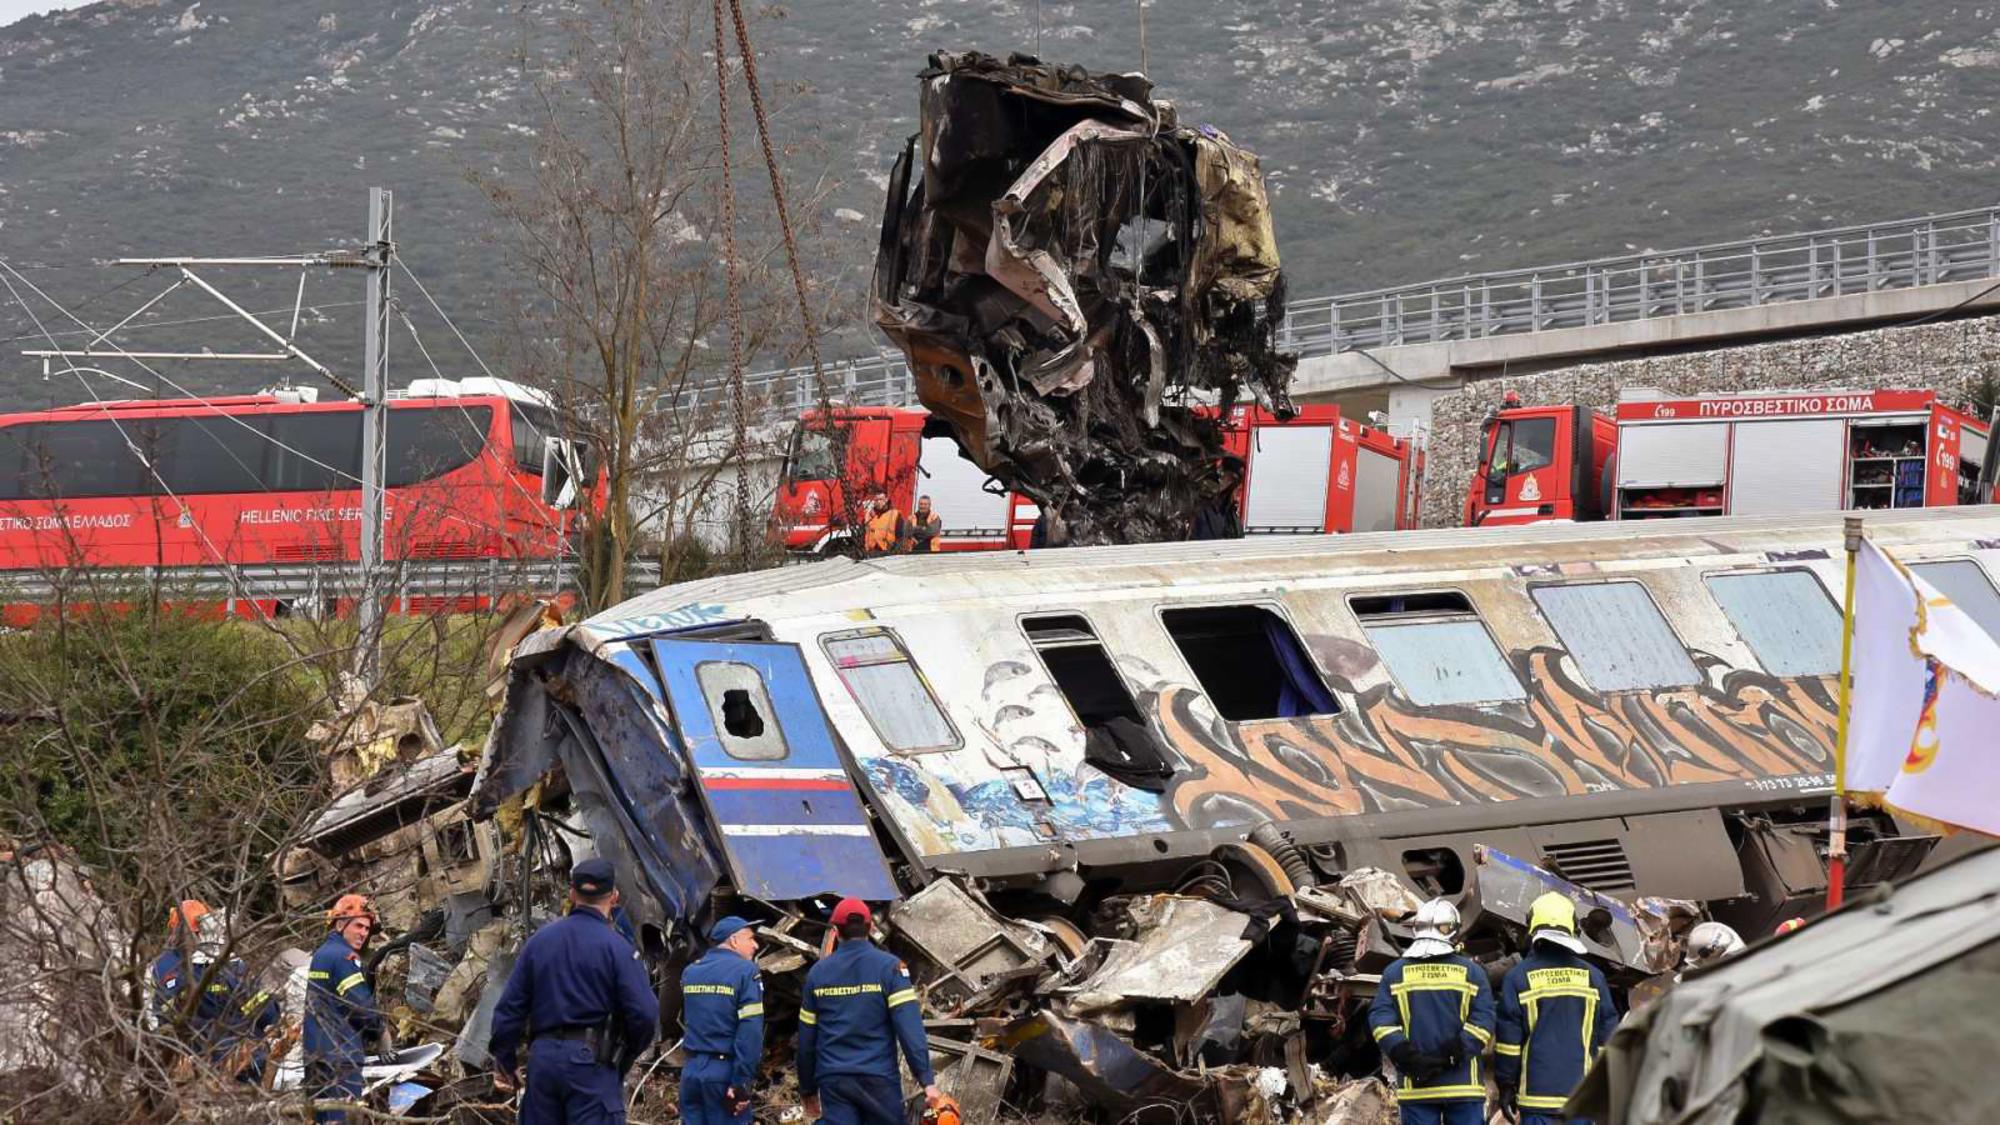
{"points": [[575, 972], [1555, 1015], [1434, 1002], [858, 1004], [340, 1006], [724, 1012], [231, 1007]]}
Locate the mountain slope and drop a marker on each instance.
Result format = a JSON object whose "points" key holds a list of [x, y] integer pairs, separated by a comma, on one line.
{"points": [[1404, 140]]}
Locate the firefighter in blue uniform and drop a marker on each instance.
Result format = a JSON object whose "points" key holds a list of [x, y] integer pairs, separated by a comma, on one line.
{"points": [[723, 1011], [231, 1010], [1433, 1017], [1555, 1015], [341, 1016], [580, 997], [858, 1006]]}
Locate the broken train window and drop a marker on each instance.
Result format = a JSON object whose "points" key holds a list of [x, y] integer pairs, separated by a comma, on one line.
{"points": [[890, 691], [1249, 662], [1116, 738], [1617, 636], [1436, 648], [741, 712]]}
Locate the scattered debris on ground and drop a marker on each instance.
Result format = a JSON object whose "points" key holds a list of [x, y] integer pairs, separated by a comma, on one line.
{"points": [[1070, 269]]}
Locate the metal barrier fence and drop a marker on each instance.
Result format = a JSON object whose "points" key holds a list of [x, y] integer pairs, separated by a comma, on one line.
{"points": [[1961, 246], [307, 587]]}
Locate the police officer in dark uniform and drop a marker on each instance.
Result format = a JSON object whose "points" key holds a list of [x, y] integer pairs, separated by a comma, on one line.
{"points": [[723, 1010], [580, 997], [858, 1005]]}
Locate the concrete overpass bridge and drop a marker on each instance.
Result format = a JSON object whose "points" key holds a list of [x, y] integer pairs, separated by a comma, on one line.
{"points": [[1397, 348]]}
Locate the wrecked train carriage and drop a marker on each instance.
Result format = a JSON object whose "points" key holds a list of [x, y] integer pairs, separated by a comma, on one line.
{"points": [[1069, 269], [1644, 710]]}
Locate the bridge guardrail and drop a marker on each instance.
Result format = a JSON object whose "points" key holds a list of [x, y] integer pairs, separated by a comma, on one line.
{"points": [[1961, 246]]}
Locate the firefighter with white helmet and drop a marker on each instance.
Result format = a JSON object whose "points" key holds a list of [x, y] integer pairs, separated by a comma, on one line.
{"points": [[1555, 1014], [1433, 1017], [1711, 942]]}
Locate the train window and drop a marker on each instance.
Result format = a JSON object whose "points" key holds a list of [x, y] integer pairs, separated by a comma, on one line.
{"points": [[533, 427], [741, 712], [890, 692], [1436, 648], [1617, 636], [426, 442], [79, 460], [1967, 586], [315, 451], [1116, 738], [1786, 617], [213, 453], [1249, 662]]}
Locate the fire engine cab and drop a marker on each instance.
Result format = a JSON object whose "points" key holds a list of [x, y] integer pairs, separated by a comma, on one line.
{"points": [[1312, 473], [1748, 454]]}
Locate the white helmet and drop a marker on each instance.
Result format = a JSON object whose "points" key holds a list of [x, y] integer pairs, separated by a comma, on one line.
{"points": [[1711, 942], [1436, 923]]}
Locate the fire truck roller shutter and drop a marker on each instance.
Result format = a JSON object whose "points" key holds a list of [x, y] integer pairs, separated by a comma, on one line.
{"points": [[1674, 455], [956, 488], [1288, 467], [1794, 466], [1376, 479]]}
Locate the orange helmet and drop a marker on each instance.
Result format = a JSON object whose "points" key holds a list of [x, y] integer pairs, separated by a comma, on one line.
{"points": [[351, 906], [187, 915]]}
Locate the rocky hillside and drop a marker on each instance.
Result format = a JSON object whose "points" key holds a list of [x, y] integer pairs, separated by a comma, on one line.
{"points": [[1405, 139]]}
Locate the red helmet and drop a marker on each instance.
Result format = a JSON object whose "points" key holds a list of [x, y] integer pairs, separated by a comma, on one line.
{"points": [[187, 915]]}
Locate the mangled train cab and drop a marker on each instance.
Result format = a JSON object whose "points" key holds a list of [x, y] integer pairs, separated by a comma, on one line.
{"points": [[1641, 710]]}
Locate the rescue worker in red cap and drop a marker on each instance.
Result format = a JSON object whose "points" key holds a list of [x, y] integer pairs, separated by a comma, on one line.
{"points": [[1556, 1014], [723, 1011], [581, 997], [858, 1006], [341, 1017]]}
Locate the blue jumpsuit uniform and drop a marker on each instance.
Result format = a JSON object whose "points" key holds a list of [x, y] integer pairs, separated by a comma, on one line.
{"points": [[231, 1008], [1556, 1013], [858, 1005], [1436, 1004], [724, 1015], [575, 974], [340, 1019]]}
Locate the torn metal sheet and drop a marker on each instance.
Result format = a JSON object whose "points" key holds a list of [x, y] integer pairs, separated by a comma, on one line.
{"points": [[1069, 271], [961, 944], [1382, 892], [975, 1078], [1107, 1068], [1190, 944], [1641, 937]]}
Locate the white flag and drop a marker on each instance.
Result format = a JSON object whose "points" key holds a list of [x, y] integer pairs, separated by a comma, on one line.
{"points": [[1889, 673]]}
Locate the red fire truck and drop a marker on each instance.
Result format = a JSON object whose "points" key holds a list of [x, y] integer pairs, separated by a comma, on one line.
{"points": [[272, 479], [1313, 473], [1743, 454]]}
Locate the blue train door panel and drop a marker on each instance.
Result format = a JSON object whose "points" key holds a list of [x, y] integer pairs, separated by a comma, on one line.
{"points": [[791, 823]]}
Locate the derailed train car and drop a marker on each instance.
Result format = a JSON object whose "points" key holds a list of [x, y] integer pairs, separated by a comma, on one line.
{"points": [[1644, 710]]}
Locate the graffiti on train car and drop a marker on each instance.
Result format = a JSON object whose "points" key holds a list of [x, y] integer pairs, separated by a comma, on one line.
{"points": [[1389, 754], [1383, 754]]}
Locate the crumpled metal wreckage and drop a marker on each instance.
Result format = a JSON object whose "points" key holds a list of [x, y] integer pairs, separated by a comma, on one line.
{"points": [[1154, 1007], [1070, 270]]}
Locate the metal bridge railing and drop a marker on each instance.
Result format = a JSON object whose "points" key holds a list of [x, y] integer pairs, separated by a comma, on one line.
{"points": [[1929, 251], [1961, 246]]}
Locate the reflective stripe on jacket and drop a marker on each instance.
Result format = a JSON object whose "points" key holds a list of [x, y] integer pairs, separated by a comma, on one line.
{"points": [[1555, 1014], [1434, 1002]]}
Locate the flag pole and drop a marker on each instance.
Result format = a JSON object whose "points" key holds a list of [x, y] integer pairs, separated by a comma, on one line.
{"points": [[1836, 815]]}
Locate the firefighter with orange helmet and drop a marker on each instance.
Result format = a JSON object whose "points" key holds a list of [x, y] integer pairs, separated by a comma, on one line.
{"points": [[227, 1009], [341, 1016]]}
